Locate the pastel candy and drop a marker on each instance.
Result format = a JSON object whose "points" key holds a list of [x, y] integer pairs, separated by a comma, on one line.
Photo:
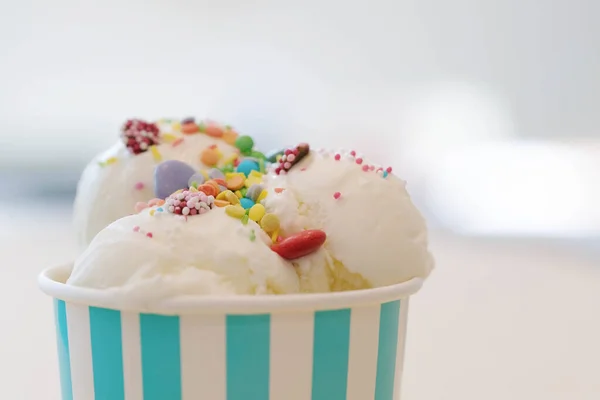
{"points": [[246, 202], [247, 166], [170, 176], [198, 178]]}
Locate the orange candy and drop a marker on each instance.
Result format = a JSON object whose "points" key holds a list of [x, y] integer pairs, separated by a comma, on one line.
{"points": [[213, 130], [209, 157], [221, 182], [213, 184], [208, 189], [229, 136], [189, 128], [279, 190], [235, 182], [221, 203]]}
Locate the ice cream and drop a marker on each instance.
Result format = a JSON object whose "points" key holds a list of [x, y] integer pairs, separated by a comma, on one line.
{"points": [[376, 236], [319, 221], [124, 174]]}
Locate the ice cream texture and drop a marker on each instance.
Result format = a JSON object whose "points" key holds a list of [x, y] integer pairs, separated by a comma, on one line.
{"points": [[124, 174], [318, 221]]}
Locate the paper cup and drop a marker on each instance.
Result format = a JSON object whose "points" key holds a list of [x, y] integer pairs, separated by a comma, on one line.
{"points": [[331, 346]]}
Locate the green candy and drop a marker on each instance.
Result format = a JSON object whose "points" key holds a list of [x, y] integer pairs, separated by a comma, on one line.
{"points": [[244, 144], [244, 190], [258, 155]]}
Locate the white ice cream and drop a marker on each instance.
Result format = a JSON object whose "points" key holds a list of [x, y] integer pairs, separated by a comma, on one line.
{"points": [[211, 253], [375, 235], [108, 192]]}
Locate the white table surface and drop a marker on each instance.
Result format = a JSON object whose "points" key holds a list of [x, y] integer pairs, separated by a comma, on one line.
{"points": [[498, 319]]}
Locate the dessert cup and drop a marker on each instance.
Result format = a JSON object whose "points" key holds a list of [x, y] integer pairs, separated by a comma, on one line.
{"points": [[328, 346]]}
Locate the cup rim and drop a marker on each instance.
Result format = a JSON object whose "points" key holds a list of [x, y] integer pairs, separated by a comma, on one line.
{"points": [[52, 282]]}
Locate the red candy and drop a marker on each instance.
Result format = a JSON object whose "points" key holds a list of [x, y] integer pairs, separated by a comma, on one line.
{"points": [[300, 244]]}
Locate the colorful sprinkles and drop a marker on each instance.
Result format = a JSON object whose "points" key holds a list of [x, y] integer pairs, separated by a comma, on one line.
{"points": [[138, 136], [291, 157]]}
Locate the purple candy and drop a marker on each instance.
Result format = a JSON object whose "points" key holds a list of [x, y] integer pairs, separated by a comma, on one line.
{"points": [[170, 176]]}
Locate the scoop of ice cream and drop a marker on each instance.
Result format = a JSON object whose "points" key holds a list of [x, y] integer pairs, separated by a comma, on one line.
{"points": [[123, 175], [157, 254], [375, 235]]}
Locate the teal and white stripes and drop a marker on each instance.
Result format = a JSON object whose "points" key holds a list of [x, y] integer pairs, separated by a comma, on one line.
{"points": [[345, 354]]}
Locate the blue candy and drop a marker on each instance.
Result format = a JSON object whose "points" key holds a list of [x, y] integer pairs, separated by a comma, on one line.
{"points": [[246, 203], [170, 176], [247, 166]]}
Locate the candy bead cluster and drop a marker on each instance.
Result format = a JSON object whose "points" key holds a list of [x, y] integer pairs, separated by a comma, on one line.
{"points": [[138, 136], [189, 202], [291, 157]]}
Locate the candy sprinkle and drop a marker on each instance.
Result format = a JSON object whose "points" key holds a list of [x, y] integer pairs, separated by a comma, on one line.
{"points": [[152, 212], [177, 142], [337, 195], [108, 161], [252, 235], [155, 153], [149, 234], [139, 186], [136, 228]]}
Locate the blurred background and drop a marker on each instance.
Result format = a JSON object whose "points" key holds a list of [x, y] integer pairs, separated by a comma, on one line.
{"points": [[489, 109]]}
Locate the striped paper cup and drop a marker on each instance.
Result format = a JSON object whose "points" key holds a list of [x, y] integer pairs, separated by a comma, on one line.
{"points": [[331, 346]]}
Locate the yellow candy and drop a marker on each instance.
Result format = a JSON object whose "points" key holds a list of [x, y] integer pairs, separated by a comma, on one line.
{"points": [[256, 174], [111, 160], [231, 159], [252, 181], [274, 236], [238, 194], [176, 126], [236, 211], [262, 195], [155, 153], [230, 175], [269, 223], [152, 212], [256, 213], [168, 137], [229, 196], [193, 189]]}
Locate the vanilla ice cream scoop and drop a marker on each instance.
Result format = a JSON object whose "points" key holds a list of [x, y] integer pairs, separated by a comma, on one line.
{"points": [[115, 180], [375, 235], [156, 255]]}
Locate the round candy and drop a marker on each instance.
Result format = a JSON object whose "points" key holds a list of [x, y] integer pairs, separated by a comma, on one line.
{"points": [[170, 176], [209, 157], [269, 223], [215, 173], [246, 203], [256, 213], [235, 211], [244, 144], [300, 244], [197, 178], [230, 136], [247, 166]]}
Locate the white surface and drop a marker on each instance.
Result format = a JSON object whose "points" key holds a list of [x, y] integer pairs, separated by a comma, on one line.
{"points": [[497, 320]]}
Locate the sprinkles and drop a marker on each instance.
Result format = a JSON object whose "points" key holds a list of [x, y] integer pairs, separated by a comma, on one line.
{"points": [[291, 157], [138, 136], [189, 203]]}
